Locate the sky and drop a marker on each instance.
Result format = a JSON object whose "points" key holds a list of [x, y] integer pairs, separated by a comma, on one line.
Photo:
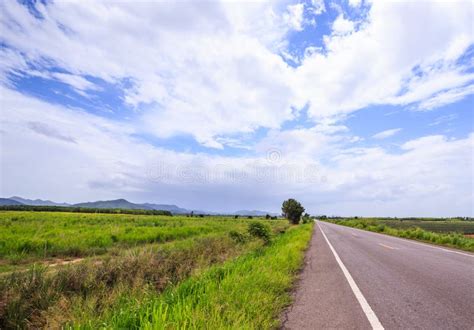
{"points": [[351, 107]]}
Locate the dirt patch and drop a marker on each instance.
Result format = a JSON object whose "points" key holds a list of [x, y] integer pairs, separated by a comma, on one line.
{"points": [[62, 262], [469, 235]]}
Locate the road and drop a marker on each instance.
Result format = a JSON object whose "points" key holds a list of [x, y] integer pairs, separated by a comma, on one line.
{"points": [[377, 281]]}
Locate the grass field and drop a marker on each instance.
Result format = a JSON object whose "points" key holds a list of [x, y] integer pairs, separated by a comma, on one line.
{"points": [[144, 270], [452, 233], [29, 236]]}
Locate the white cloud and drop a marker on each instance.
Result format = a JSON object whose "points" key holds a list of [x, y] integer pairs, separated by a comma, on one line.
{"points": [[386, 134], [390, 59], [355, 3], [78, 82], [318, 7], [446, 97], [78, 156], [206, 69], [218, 64], [294, 16], [213, 71], [342, 25], [444, 119]]}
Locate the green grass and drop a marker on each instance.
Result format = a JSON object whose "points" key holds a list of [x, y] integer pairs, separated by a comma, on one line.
{"points": [[246, 293], [449, 233], [29, 236], [134, 274]]}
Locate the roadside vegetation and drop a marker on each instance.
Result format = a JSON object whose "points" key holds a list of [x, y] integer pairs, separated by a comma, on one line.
{"points": [[145, 270], [247, 293], [451, 233], [26, 237]]}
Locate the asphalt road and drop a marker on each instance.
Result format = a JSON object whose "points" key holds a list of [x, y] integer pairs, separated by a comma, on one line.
{"points": [[392, 283]]}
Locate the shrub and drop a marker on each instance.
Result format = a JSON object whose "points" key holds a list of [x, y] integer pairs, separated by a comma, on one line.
{"points": [[238, 237], [306, 218], [259, 230]]}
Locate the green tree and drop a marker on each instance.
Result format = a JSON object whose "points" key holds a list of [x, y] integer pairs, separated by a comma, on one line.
{"points": [[292, 210]]}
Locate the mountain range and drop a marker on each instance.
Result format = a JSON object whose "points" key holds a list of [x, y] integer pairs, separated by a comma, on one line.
{"points": [[124, 204]]}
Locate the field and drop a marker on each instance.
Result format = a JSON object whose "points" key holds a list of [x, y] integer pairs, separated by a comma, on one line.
{"points": [[453, 232], [121, 270], [26, 237], [437, 226]]}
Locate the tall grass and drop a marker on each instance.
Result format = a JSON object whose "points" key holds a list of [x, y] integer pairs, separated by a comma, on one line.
{"points": [[27, 236], [451, 239], [247, 293], [48, 298]]}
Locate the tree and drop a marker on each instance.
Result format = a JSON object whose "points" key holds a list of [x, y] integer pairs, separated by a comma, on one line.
{"points": [[292, 210]]}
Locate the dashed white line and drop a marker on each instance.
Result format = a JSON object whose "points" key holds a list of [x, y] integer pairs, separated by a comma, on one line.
{"points": [[439, 248], [388, 247], [369, 313], [410, 241]]}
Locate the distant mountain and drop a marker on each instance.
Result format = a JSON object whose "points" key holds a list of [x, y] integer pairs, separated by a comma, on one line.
{"points": [[9, 201], [37, 202], [124, 204], [165, 207], [114, 204]]}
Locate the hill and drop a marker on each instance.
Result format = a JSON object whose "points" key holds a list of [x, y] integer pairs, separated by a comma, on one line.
{"points": [[37, 202], [114, 204], [125, 204], [9, 201]]}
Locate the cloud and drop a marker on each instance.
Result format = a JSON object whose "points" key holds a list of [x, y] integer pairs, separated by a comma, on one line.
{"points": [[355, 3], [342, 25], [204, 70], [322, 167], [44, 129], [216, 72], [294, 16], [444, 119], [78, 82], [216, 69], [390, 58], [318, 7], [386, 134], [446, 97]]}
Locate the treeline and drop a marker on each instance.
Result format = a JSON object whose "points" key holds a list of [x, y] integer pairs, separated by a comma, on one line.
{"points": [[81, 209]]}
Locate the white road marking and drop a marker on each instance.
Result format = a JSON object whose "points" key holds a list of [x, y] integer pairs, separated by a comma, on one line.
{"points": [[410, 241], [369, 313], [440, 248], [388, 247]]}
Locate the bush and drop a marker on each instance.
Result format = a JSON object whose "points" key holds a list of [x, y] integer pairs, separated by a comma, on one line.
{"points": [[306, 218], [238, 237], [259, 230]]}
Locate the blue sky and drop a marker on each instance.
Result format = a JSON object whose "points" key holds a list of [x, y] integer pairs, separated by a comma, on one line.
{"points": [[353, 107]]}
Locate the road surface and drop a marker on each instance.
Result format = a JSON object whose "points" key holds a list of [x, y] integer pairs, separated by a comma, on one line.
{"points": [[377, 281]]}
